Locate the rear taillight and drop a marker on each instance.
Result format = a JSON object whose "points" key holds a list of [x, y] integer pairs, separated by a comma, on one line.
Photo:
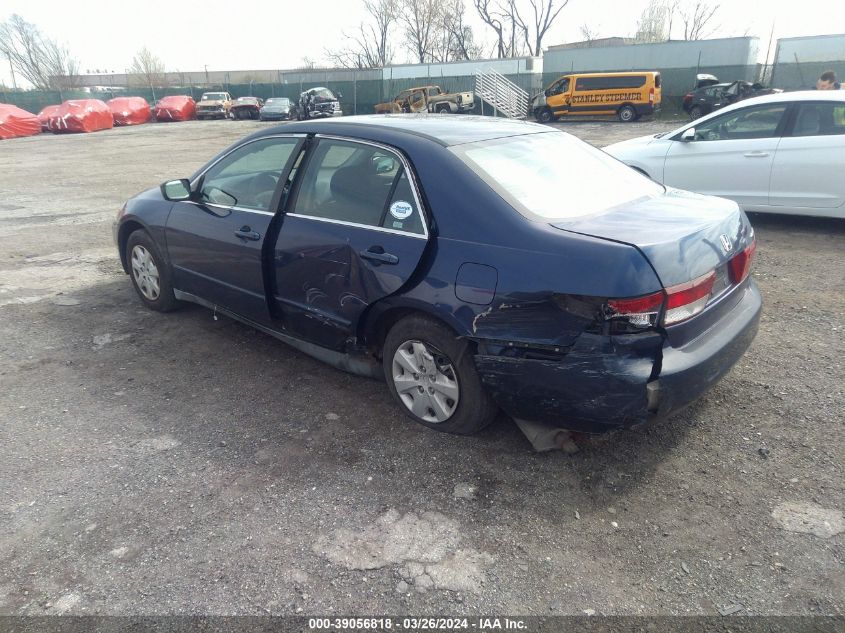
{"points": [[639, 311], [684, 301], [688, 97], [651, 94], [740, 264]]}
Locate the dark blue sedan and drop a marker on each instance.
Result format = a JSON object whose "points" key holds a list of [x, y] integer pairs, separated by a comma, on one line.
{"points": [[474, 264]]}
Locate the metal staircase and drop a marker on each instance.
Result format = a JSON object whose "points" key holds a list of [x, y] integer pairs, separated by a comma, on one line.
{"points": [[501, 93]]}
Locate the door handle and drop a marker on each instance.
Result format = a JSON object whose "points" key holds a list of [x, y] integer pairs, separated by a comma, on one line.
{"points": [[376, 253], [248, 234], [756, 154]]}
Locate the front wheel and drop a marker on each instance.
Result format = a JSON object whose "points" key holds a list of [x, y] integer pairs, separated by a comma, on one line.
{"points": [[150, 275], [627, 114], [544, 115], [443, 108], [431, 375]]}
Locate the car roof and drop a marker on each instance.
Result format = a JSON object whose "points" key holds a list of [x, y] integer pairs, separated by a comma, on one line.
{"points": [[445, 130], [780, 97]]}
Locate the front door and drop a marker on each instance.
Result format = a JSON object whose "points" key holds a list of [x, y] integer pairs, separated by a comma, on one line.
{"points": [[215, 240], [731, 155], [558, 96], [353, 234]]}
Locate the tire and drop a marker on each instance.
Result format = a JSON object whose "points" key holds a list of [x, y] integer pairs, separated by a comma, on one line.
{"points": [[443, 108], [139, 247], [544, 115], [695, 112], [627, 114], [463, 405]]}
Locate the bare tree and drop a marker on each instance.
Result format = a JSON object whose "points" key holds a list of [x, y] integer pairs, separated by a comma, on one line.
{"points": [[492, 17], [456, 38], [519, 25], [149, 70], [541, 14], [40, 60], [696, 18], [653, 25], [369, 46], [589, 33], [421, 19]]}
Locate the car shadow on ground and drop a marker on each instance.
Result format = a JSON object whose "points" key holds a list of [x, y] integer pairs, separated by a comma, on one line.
{"points": [[211, 379]]}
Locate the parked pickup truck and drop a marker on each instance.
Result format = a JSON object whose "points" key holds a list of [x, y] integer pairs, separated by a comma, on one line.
{"points": [[214, 105], [428, 99]]}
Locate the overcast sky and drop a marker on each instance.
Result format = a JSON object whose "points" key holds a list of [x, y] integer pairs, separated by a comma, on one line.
{"points": [[260, 34]]}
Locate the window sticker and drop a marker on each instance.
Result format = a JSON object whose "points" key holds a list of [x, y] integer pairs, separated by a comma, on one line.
{"points": [[401, 210]]}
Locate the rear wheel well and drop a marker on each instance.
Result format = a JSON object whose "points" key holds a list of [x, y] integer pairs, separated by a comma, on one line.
{"points": [[642, 171], [126, 229], [385, 322]]}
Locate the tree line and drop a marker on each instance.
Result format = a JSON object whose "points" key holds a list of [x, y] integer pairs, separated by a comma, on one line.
{"points": [[426, 31]]}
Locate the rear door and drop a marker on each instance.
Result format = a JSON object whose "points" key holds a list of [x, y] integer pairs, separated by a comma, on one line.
{"points": [[354, 232], [215, 241], [809, 166], [731, 156]]}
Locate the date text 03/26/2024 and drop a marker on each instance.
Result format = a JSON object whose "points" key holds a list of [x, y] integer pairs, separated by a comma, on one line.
{"points": [[481, 624]]}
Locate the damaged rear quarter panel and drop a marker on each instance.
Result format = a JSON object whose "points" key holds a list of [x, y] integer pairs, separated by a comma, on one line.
{"points": [[543, 349]]}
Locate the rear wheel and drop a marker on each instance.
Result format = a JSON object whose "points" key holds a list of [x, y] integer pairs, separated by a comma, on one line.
{"points": [[150, 276], [544, 115], [431, 375], [696, 112], [627, 114]]}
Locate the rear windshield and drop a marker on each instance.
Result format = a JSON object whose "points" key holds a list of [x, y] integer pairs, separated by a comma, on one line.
{"points": [[553, 176], [214, 96]]}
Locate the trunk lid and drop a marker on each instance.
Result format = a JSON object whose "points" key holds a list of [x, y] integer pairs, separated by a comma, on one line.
{"points": [[683, 235]]}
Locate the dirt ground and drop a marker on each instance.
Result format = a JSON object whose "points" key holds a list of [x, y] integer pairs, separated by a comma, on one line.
{"points": [[183, 464]]}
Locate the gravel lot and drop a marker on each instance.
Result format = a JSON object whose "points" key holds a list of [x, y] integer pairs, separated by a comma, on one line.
{"points": [[179, 463]]}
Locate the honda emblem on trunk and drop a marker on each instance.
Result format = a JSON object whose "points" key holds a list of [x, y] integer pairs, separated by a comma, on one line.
{"points": [[726, 243]]}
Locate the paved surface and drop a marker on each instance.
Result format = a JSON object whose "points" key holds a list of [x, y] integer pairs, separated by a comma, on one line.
{"points": [[180, 464]]}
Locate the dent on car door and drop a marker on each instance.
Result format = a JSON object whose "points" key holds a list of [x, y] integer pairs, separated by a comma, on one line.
{"points": [[215, 240], [353, 234], [809, 166], [731, 155]]}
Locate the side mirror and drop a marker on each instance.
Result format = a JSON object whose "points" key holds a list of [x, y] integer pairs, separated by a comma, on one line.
{"points": [[688, 135], [176, 190]]}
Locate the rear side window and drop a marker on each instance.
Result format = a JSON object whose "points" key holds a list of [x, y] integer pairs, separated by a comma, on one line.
{"points": [[553, 176], [610, 83], [359, 184], [819, 119], [656, 80]]}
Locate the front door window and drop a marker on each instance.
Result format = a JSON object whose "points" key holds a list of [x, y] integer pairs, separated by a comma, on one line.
{"points": [[248, 176]]}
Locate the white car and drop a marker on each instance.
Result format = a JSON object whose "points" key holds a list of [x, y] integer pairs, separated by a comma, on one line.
{"points": [[781, 153]]}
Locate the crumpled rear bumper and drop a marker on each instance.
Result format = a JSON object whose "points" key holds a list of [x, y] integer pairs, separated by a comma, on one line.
{"points": [[607, 382]]}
